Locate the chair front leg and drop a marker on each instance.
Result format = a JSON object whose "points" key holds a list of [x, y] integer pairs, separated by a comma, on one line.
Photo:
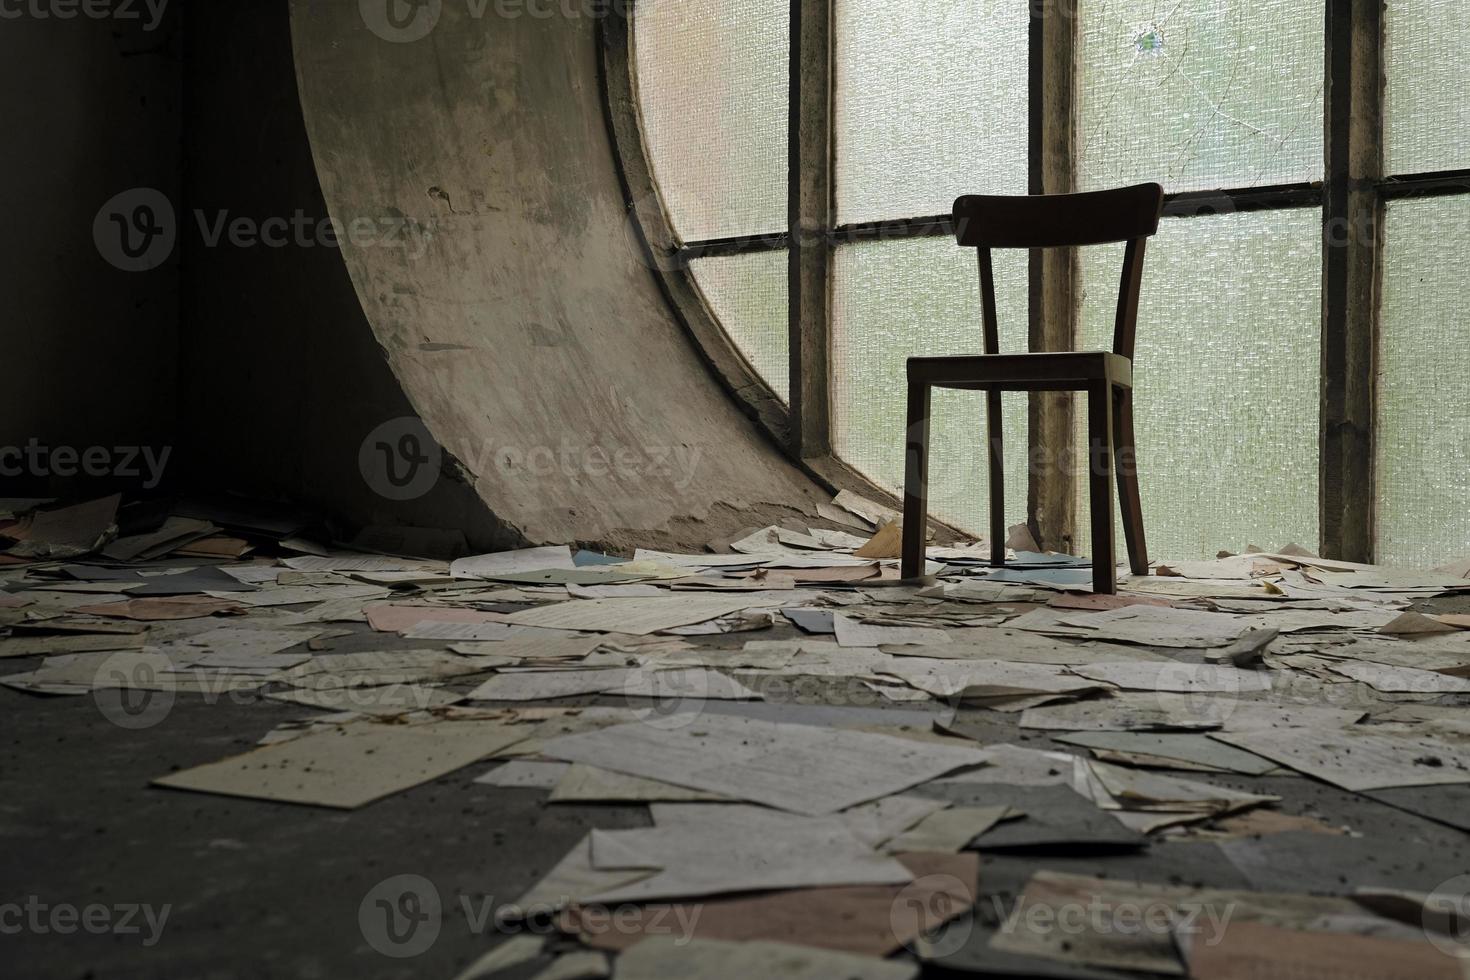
{"points": [[1125, 458], [916, 481], [997, 480], [1100, 487]]}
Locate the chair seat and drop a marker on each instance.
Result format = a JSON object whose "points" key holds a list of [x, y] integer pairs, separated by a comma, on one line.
{"points": [[1063, 370]]}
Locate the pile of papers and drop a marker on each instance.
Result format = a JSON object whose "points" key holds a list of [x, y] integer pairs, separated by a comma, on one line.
{"points": [[826, 751]]}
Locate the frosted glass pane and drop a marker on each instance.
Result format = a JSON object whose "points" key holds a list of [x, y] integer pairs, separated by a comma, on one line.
{"points": [[1226, 380], [1200, 94], [931, 100], [899, 299], [1427, 103], [747, 294], [712, 86], [1424, 359]]}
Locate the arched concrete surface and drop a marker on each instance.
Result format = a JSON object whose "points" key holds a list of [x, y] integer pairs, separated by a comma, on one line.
{"points": [[515, 310]]}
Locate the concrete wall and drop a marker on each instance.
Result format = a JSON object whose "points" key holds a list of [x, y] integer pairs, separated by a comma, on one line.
{"points": [[91, 110], [480, 278], [515, 311], [283, 379]]}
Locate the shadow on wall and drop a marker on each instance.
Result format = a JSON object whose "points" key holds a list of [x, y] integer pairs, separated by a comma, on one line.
{"points": [[284, 390], [91, 109]]}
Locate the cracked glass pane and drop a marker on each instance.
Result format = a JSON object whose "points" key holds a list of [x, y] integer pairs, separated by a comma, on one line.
{"points": [[747, 294], [1427, 101], [1200, 94], [931, 103], [1423, 426], [712, 83], [899, 299], [1226, 380]]}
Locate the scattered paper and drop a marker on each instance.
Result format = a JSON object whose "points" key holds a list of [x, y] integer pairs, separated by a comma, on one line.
{"points": [[791, 767]]}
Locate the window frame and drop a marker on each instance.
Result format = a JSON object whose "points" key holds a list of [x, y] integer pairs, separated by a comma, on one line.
{"points": [[1353, 194]]}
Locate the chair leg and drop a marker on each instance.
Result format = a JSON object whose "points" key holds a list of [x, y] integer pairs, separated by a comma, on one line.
{"points": [[1100, 487], [1125, 457], [997, 480], [916, 481]]}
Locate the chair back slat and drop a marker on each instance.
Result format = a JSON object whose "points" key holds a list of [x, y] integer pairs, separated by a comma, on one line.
{"points": [[1059, 220], [1125, 327], [1128, 214], [987, 300]]}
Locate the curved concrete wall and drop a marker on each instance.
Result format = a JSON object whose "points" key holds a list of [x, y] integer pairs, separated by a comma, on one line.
{"points": [[465, 151]]}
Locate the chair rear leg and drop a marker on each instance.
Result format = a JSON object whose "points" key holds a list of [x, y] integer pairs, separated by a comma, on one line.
{"points": [[997, 480], [1100, 487], [1125, 457], [916, 481]]}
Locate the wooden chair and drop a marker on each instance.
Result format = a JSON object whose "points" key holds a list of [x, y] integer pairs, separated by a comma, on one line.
{"points": [[1131, 215]]}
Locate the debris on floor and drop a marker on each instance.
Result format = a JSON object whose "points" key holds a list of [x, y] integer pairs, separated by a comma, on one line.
{"points": [[992, 771]]}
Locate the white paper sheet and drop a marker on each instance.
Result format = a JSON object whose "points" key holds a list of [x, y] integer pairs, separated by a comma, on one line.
{"points": [[712, 849], [513, 562], [351, 765], [641, 617], [673, 958], [1357, 761], [800, 768]]}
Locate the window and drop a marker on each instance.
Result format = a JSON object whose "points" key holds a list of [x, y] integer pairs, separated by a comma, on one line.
{"points": [[712, 83], [926, 94], [1282, 396]]}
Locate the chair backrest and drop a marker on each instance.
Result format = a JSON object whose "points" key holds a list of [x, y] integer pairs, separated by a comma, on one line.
{"points": [[1128, 214]]}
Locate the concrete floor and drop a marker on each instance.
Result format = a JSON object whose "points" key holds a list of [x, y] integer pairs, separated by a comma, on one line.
{"points": [[258, 889]]}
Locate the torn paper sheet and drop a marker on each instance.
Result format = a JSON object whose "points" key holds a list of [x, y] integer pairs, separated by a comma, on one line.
{"points": [[974, 679], [857, 919], [1356, 760], [380, 668], [666, 958], [389, 699], [799, 768], [1177, 677], [352, 765], [947, 831], [526, 774], [589, 784], [851, 633], [713, 849], [1170, 750], [643, 616], [509, 562]]}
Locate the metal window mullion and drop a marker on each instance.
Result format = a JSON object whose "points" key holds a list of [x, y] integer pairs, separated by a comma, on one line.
{"points": [[1352, 234], [1055, 293], [811, 206]]}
